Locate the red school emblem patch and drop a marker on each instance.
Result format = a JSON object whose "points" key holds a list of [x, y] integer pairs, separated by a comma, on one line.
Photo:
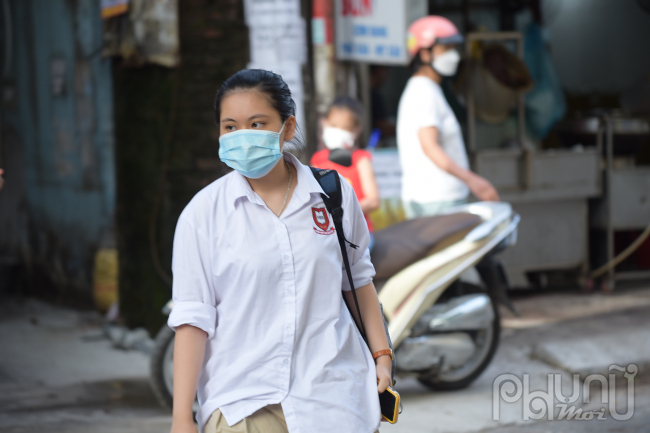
{"points": [[322, 221]]}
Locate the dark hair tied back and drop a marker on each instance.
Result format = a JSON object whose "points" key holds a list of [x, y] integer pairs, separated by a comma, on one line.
{"points": [[416, 62], [349, 103], [269, 84]]}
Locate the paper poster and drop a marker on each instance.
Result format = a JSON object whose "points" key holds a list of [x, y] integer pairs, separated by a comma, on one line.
{"points": [[270, 43], [278, 43], [277, 12]]}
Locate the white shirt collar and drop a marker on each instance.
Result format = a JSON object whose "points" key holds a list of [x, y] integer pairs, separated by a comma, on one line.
{"points": [[306, 185]]}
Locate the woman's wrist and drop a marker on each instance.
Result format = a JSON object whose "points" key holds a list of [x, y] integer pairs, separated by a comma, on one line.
{"points": [[385, 361], [183, 415], [384, 352]]}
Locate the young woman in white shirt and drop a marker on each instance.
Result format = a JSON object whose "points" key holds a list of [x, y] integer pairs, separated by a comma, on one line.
{"points": [[434, 161], [262, 330]]}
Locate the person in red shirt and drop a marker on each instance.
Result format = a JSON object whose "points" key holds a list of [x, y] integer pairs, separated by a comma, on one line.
{"points": [[341, 129]]}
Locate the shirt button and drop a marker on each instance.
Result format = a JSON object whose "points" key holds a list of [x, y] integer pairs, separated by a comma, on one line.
{"points": [[286, 361], [286, 257], [289, 326]]}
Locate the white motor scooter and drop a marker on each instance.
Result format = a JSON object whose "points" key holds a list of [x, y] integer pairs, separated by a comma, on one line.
{"points": [[439, 282]]}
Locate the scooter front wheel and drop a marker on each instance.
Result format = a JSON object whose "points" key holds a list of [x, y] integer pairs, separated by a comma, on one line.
{"points": [[162, 367], [487, 341]]}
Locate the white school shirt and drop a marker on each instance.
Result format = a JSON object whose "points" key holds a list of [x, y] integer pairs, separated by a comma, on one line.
{"points": [[267, 291], [422, 105]]}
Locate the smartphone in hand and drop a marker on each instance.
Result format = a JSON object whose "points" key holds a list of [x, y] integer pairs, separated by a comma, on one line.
{"points": [[389, 403]]}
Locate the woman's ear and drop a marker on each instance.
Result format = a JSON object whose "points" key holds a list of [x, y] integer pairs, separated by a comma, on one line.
{"points": [[289, 128]]}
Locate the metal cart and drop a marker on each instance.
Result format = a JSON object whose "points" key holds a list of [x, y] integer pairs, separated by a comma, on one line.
{"points": [[625, 204], [549, 189]]}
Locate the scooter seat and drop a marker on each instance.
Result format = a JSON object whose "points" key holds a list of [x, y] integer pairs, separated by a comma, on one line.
{"points": [[403, 244]]}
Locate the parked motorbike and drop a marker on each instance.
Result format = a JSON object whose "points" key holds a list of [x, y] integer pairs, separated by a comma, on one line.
{"points": [[439, 283]]}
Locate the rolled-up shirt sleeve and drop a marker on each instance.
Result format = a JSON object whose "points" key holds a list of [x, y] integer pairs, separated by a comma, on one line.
{"points": [[193, 293], [355, 229]]}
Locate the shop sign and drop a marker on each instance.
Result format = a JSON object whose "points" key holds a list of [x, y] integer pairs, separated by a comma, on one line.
{"points": [[374, 31]]}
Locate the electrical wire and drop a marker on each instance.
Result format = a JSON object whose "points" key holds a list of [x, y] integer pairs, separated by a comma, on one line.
{"points": [[623, 255]]}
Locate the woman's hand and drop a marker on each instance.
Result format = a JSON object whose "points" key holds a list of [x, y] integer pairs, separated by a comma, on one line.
{"points": [[482, 188], [384, 367]]}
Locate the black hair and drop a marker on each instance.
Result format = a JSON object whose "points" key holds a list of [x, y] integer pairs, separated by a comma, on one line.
{"points": [[416, 62], [349, 103], [269, 84]]}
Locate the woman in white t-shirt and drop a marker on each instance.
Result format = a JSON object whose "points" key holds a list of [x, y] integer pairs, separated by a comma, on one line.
{"points": [[434, 162]]}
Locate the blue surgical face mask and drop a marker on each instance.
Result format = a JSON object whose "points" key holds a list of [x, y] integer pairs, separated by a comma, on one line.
{"points": [[251, 152]]}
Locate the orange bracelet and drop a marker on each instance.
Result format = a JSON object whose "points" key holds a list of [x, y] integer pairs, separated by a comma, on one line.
{"points": [[382, 353]]}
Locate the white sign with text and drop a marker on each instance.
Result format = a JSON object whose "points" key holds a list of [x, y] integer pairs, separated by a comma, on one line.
{"points": [[375, 31]]}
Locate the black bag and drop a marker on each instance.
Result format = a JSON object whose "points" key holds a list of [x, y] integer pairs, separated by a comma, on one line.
{"points": [[330, 181]]}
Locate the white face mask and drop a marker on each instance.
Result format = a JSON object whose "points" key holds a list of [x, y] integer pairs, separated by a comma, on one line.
{"points": [[337, 138], [446, 63]]}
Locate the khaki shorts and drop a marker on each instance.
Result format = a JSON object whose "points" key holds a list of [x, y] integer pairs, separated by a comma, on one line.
{"points": [[269, 419]]}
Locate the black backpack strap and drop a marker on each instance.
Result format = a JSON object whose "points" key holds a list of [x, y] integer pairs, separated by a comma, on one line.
{"points": [[330, 181]]}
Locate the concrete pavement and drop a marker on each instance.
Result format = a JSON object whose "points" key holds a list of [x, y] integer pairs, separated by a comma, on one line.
{"points": [[58, 373], [563, 323], [59, 346]]}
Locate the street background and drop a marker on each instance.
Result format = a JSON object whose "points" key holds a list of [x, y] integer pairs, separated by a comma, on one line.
{"points": [[61, 372], [107, 132]]}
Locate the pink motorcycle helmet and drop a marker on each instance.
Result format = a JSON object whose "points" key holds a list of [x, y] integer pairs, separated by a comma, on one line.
{"points": [[430, 30]]}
